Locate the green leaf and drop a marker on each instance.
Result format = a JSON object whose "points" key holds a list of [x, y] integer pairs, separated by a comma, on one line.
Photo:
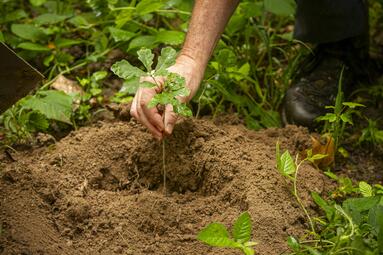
{"points": [[63, 42], [49, 18], [144, 41], [162, 99], [242, 228], [52, 104], [167, 59], [148, 6], [248, 251], [287, 166], [37, 2], [293, 243], [120, 35], [346, 118], [375, 219], [32, 46], [352, 105], [100, 75], [182, 109], [146, 57], [125, 70], [130, 86], [170, 37], [280, 7], [329, 210], [2, 37], [216, 234], [365, 189], [28, 32], [37, 122], [13, 16]]}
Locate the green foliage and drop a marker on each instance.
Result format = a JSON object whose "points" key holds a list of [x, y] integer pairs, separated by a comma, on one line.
{"points": [[217, 235], [371, 134], [353, 227], [170, 90], [32, 114], [336, 121]]}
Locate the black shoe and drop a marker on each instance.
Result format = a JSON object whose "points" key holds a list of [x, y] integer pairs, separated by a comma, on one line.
{"points": [[317, 83]]}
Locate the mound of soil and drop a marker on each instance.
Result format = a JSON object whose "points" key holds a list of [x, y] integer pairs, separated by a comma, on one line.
{"points": [[100, 190]]}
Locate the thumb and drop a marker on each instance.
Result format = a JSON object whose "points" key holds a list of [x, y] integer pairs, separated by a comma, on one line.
{"points": [[170, 119]]}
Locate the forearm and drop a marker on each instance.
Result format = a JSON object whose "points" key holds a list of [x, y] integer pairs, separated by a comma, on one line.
{"points": [[208, 21]]}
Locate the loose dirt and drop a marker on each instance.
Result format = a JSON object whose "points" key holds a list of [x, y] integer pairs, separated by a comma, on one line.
{"points": [[99, 190]]}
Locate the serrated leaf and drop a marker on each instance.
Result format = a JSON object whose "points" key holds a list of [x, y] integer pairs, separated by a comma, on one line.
{"points": [[37, 121], [365, 189], [162, 99], [242, 228], [125, 70], [216, 234], [182, 109], [167, 59], [287, 165], [52, 104], [146, 57]]}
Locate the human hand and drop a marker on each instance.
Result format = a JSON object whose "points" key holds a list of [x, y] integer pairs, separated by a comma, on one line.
{"points": [[161, 123]]}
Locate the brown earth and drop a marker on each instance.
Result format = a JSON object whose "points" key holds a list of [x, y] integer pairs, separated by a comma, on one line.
{"points": [[100, 190]]}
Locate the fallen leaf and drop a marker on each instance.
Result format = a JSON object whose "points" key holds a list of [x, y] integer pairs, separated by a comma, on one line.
{"points": [[325, 146]]}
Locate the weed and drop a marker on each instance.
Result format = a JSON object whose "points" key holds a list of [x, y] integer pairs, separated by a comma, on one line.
{"points": [[217, 235], [336, 121]]}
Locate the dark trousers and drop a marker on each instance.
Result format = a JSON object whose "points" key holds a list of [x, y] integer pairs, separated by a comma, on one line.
{"points": [[323, 21]]}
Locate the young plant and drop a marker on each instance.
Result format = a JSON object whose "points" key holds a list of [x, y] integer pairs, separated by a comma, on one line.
{"points": [[336, 121], [217, 235], [168, 92], [289, 168]]}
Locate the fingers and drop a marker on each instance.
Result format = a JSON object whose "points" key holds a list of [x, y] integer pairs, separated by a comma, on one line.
{"points": [[170, 119], [150, 118]]}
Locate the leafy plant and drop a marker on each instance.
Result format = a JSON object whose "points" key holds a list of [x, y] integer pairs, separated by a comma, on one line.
{"points": [[31, 114], [167, 92], [353, 227], [173, 87], [289, 168], [217, 235], [336, 121]]}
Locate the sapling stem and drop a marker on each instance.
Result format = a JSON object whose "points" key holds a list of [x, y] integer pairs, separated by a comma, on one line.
{"points": [[164, 164], [162, 109]]}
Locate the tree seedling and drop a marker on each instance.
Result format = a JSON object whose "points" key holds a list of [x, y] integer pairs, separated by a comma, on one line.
{"points": [[289, 168], [217, 235], [168, 92]]}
